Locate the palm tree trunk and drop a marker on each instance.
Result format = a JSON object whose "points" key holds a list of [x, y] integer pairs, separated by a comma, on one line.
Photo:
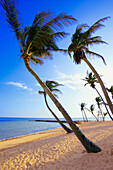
{"points": [[101, 111], [89, 146], [63, 126], [104, 103], [92, 114], [101, 84], [85, 116]]}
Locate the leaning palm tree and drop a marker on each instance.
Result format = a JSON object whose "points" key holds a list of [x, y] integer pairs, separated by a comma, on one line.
{"points": [[82, 105], [36, 42], [110, 90], [91, 80], [99, 102], [52, 85], [81, 40], [92, 111]]}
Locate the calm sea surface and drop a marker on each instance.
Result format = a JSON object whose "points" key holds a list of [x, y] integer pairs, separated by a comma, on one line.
{"points": [[13, 127]]}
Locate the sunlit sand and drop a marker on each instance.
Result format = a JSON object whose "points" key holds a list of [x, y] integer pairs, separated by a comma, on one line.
{"points": [[54, 149]]}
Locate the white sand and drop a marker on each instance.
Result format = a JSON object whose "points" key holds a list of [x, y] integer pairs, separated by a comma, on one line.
{"points": [[56, 150]]}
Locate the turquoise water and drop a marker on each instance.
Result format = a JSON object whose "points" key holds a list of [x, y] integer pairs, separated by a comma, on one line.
{"points": [[13, 127]]}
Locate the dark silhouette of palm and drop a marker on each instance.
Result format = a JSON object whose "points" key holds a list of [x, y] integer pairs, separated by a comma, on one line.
{"points": [[82, 106], [91, 109], [81, 40], [91, 80], [99, 102], [36, 42], [52, 85]]}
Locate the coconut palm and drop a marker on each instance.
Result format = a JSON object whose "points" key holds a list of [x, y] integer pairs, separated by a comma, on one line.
{"points": [[82, 105], [91, 80], [110, 90], [92, 111], [81, 40], [52, 85], [36, 42], [99, 102]]}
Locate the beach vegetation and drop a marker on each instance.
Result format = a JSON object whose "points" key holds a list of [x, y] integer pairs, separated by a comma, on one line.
{"points": [[52, 85], [79, 49], [91, 80], [91, 109], [82, 107], [36, 42]]}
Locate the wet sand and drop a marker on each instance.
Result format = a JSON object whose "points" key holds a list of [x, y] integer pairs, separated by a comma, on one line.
{"points": [[56, 150]]}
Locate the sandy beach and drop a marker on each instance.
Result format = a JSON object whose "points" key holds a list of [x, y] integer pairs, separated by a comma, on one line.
{"points": [[54, 149]]}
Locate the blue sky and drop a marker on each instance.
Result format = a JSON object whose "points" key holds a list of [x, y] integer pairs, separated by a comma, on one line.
{"points": [[19, 90]]}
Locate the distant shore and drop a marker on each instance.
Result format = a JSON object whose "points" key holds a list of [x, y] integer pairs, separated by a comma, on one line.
{"points": [[63, 121], [54, 149]]}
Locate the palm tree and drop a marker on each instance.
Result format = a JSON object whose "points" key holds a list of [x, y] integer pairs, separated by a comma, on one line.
{"points": [[80, 47], [99, 102], [92, 111], [91, 80], [37, 41], [110, 90], [52, 85], [82, 105]]}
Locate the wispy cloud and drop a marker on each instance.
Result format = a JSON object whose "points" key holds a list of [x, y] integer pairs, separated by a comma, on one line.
{"points": [[20, 85], [72, 81]]}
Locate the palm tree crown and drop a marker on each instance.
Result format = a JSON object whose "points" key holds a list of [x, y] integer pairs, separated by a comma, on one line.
{"points": [[38, 39], [81, 40], [90, 79], [52, 85], [82, 105]]}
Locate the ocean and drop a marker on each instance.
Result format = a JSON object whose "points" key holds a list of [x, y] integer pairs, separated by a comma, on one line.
{"points": [[11, 127]]}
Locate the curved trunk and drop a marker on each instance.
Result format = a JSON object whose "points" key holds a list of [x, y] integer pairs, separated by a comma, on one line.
{"points": [[92, 114], [85, 116], [98, 104], [89, 146], [63, 126], [101, 84], [104, 104]]}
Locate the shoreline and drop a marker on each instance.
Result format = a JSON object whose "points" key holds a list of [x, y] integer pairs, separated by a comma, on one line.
{"points": [[54, 149], [39, 131]]}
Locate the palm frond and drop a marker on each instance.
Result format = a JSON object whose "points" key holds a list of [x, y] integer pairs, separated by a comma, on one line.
{"points": [[97, 25], [36, 60], [92, 41], [41, 92], [94, 54], [42, 31], [59, 35], [71, 49], [60, 21], [12, 15]]}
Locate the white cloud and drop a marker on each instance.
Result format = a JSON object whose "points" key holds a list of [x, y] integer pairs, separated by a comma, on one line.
{"points": [[20, 85], [72, 81]]}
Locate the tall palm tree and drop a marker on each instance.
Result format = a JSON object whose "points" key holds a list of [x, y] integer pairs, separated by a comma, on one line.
{"points": [[37, 41], [52, 85], [99, 102], [91, 80], [82, 105], [110, 90], [81, 40]]}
